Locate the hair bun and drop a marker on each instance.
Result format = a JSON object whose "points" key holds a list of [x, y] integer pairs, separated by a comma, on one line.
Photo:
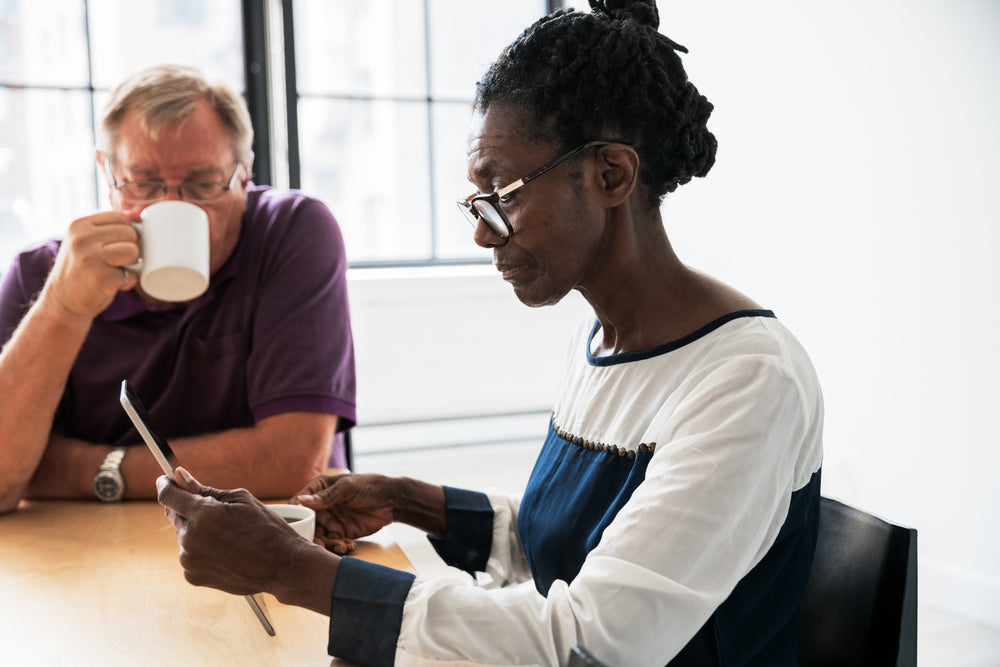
{"points": [[643, 12]]}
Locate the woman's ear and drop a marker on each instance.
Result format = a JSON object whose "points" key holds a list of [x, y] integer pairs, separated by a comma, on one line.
{"points": [[619, 172]]}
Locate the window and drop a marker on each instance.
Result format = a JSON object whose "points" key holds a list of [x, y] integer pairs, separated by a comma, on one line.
{"points": [[59, 60], [378, 98], [384, 89]]}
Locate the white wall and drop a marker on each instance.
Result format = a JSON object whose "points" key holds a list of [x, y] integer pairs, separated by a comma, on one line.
{"points": [[855, 194], [453, 342]]}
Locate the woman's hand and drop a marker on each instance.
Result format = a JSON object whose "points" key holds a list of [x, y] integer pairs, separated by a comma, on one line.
{"points": [[348, 507], [230, 541]]}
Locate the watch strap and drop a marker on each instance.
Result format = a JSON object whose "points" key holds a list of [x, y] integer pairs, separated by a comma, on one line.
{"points": [[113, 461], [109, 483]]}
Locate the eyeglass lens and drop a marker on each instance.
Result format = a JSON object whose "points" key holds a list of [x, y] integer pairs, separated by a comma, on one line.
{"points": [[492, 216], [192, 191]]}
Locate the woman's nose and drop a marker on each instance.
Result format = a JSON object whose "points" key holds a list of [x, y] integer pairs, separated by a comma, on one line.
{"points": [[485, 237]]}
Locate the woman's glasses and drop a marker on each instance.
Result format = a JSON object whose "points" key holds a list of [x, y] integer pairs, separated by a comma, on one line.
{"points": [[487, 208]]}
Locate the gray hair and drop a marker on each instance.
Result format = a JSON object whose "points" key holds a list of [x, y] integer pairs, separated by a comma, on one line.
{"points": [[167, 93]]}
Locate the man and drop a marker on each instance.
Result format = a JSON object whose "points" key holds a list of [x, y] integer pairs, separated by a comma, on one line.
{"points": [[250, 381]]}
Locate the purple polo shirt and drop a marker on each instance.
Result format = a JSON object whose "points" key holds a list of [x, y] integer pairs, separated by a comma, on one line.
{"points": [[272, 334]]}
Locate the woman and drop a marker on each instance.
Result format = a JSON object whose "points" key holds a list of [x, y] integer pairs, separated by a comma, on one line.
{"points": [[671, 515]]}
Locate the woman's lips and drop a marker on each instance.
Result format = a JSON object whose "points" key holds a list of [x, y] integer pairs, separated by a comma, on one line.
{"points": [[508, 271]]}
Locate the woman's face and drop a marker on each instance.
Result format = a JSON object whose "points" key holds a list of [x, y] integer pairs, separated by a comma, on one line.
{"points": [[558, 223]]}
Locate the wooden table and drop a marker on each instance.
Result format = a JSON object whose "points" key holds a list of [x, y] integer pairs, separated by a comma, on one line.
{"points": [[89, 583]]}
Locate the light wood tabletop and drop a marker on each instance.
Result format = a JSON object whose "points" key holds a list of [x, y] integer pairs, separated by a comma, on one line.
{"points": [[89, 583]]}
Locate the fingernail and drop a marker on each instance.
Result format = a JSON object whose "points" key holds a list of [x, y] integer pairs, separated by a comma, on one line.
{"points": [[184, 475]]}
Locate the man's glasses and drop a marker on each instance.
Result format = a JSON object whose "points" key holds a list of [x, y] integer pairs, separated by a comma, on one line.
{"points": [[196, 192], [487, 207]]}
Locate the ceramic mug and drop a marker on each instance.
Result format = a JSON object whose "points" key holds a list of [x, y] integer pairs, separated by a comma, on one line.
{"points": [[299, 517], [173, 250]]}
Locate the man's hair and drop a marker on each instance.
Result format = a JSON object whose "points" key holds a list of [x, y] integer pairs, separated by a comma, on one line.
{"points": [[608, 75], [166, 94]]}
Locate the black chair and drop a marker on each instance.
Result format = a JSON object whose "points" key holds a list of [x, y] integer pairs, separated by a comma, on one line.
{"points": [[349, 450], [860, 605], [581, 657]]}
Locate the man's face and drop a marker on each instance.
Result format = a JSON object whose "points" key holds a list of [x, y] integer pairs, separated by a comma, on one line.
{"points": [[196, 149]]}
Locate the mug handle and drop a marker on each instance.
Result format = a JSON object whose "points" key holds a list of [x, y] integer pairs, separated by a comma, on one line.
{"points": [[137, 266]]}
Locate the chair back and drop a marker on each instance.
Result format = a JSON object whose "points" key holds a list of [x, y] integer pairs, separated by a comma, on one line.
{"points": [[581, 657], [860, 604]]}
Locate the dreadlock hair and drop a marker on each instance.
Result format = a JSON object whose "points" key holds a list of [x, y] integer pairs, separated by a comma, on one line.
{"points": [[608, 75]]}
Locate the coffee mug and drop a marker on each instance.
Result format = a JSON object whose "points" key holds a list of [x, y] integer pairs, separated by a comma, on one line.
{"points": [[301, 518], [173, 251]]}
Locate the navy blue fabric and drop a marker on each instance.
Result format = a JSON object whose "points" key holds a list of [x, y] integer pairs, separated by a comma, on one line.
{"points": [[366, 611], [571, 497], [755, 625], [469, 539]]}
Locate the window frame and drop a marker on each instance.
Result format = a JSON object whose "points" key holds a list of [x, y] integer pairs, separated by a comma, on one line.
{"points": [[271, 92], [272, 98]]}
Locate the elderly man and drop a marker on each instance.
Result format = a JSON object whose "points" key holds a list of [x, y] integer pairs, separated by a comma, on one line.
{"points": [[251, 380]]}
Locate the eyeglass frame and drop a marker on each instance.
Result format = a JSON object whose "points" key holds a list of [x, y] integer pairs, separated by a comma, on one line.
{"points": [[226, 187], [472, 213]]}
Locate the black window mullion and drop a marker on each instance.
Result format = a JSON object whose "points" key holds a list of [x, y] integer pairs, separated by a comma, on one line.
{"points": [[291, 96], [255, 70]]}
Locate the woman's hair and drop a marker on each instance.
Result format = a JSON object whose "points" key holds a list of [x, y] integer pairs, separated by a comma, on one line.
{"points": [[165, 94], [608, 75]]}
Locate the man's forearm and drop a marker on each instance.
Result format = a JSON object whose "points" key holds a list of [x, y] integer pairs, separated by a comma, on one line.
{"points": [[273, 459], [34, 366]]}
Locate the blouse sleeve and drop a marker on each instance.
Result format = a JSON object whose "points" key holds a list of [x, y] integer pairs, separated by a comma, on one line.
{"points": [[482, 536]]}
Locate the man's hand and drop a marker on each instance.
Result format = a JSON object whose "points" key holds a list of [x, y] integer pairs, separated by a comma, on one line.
{"points": [[347, 507], [88, 269]]}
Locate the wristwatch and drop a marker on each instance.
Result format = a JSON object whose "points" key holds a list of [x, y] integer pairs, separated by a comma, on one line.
{"points": [[109, 484]]}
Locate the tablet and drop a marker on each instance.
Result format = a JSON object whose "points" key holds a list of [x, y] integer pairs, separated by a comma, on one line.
{"points": [[137, 413], [168, 462]]}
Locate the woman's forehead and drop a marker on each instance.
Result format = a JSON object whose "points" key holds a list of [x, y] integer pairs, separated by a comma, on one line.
{"points": [[498, 141]]}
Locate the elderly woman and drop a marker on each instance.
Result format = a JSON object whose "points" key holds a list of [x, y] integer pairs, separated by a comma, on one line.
{"points": [[671, 515]]}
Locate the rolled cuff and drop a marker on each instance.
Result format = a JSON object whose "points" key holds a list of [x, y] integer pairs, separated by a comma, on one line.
{"points": [[469, 539], [366, 610]]}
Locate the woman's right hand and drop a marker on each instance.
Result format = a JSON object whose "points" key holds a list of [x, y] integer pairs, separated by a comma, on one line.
{"points": [[347, 507]]}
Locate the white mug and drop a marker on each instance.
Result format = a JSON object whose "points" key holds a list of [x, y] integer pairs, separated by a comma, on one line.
{"points": [[299, 517], [173, 250]]}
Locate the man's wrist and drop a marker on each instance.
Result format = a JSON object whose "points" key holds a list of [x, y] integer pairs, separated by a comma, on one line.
{"points": [[52, 307], [109, 482], [67, 469]]}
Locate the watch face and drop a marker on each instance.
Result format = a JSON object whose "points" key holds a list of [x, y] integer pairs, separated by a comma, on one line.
{"points": [[107, 487]]}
